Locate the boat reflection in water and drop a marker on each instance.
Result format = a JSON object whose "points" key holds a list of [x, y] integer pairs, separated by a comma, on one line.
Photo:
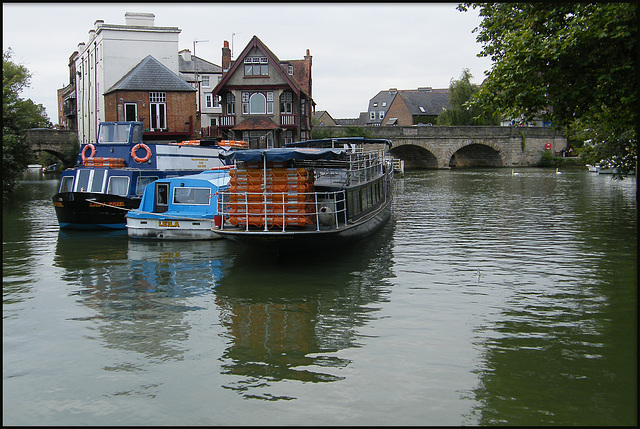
{"points": [[286, 322], [269, 321], [140, 292]]}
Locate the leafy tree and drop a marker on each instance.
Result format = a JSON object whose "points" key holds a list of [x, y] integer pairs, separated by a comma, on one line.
{"points": [[461, 112], [18, 115], [574, 63]]}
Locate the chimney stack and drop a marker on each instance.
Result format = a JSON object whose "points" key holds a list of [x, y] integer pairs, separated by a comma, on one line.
{"points": [[226, 58]]}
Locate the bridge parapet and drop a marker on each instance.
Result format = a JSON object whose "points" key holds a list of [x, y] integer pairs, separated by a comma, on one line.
{"points": [[445, 147]]}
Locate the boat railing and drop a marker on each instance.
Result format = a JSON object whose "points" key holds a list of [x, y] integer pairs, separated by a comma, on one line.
{"points": [[365, 166], [283, 210]]}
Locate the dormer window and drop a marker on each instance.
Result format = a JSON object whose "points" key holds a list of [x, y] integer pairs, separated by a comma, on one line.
{"points": [[256, 66]]}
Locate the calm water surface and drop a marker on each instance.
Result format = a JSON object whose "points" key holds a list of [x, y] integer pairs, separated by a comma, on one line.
{"points": [[487, 299]]}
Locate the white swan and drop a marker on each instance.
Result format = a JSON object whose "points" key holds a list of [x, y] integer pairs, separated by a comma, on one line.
{"points": [[558, 171], [513, 173]]}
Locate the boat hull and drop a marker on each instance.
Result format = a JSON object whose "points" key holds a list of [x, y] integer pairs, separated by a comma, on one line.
{"points": [[86, 210], [172, 229], [309, 240]]}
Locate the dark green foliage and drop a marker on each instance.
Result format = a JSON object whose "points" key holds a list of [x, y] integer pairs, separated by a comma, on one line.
{"points": [[18, 115], [574, 63], [460, 111]]}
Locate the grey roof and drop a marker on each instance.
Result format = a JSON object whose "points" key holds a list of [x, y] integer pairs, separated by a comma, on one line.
{"points": [[151, 75], [203, 66], [426, 103]]}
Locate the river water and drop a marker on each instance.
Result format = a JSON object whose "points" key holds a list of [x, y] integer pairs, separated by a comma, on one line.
{"points": [[487, 299]]}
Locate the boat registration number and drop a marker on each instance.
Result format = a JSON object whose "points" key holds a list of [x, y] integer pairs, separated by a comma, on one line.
{"points": [[169, 223]]}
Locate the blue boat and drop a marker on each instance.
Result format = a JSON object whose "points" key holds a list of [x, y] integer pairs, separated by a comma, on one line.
{"points": [[180, 208], [110, 176]]}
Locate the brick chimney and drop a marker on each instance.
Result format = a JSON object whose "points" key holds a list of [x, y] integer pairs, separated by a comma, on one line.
{"points": [[226, 58]]}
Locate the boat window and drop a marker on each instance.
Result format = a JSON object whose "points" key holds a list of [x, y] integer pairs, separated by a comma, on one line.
{"points": [[191, 195], [114, 133], [162, 197], [82, 185], [66, 184], [98, 180], [142, 183], [118, 185]]}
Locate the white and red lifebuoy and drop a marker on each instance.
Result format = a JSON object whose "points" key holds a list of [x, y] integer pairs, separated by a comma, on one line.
{"points": [[134, 153], [547, 146], [83, 154]]}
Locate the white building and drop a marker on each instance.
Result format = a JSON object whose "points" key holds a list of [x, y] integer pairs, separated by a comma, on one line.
{"points": [[111, 52], [203, 76]]}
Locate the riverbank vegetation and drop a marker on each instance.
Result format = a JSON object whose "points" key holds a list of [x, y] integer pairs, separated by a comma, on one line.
{"points": [[574, 64], [18, 115]]}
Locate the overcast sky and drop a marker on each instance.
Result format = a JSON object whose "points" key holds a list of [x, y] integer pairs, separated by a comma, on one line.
{"points": [[358, 49]]}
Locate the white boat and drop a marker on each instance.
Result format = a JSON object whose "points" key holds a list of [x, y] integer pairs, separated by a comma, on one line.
{"points": [[180, 208], [308, 195]]}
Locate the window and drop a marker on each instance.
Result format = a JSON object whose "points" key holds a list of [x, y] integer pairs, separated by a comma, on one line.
{"points": [[82, 185], [162, 197], [257, 103], [205, 81], [208, 100], [372, 115], [118, 185], [286, 105], [191, 195], [142, 183], [269, 102], [288, 136], [231, 109], [375, 104], [130, 112], [256, 66], [381, 114], [158, 110], [384, 104], [290, 70], [98, 180], [66, 184], [245, 103], [216, 101]]}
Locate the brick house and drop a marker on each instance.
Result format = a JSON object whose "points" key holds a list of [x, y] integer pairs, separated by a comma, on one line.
{"points": [[156, 96], [264, 100], [416, 106]]}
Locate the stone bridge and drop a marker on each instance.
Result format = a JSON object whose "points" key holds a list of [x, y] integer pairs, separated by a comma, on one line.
{"points": [[55, 142], [419, 146], [482, 146]]}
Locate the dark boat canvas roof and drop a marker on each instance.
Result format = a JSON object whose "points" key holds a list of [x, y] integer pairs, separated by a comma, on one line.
{"points": [[285, 154]]}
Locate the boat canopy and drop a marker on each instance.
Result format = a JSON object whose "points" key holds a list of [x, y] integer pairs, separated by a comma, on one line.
{"points": [[284, 154], [338, 141]]}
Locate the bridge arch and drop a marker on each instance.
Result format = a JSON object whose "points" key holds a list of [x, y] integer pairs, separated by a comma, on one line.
{"points": [[415, 156], [474, 154]]}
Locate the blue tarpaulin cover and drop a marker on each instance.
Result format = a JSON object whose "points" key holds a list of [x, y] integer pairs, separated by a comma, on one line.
{"points": [[284, 154]]}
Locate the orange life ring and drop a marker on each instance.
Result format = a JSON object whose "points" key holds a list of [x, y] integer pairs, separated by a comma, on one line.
{"points": [[84, 149], [135, 149]]}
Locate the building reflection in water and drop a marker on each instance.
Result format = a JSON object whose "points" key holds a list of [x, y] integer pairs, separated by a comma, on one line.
{"points": [[287, 319]]}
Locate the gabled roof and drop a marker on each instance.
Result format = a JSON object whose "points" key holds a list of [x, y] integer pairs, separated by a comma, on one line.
{"points": [[239, 63], [426, 102], [203, 66], [151, 75]]}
